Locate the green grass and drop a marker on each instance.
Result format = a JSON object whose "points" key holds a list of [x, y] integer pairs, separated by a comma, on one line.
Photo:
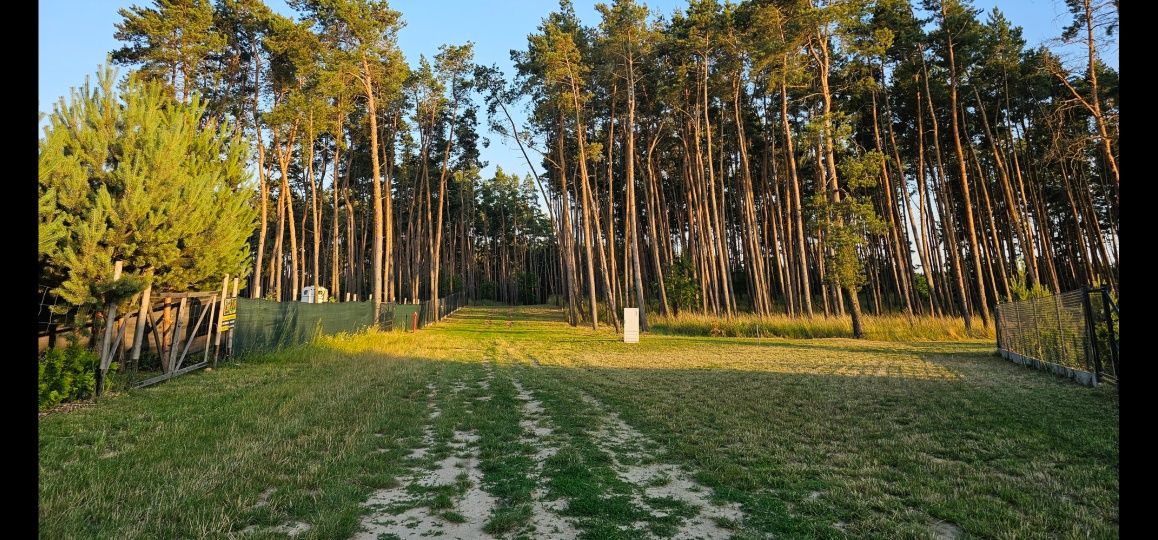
{"points": [[191, 457], [876, 327], [813, 438]]}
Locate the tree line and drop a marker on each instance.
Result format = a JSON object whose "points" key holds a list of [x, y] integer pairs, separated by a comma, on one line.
{"points": [[798, 156], [368, 168], [802, 157]]}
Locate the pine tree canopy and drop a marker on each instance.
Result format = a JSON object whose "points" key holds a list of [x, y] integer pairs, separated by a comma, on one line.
{"points": [[129, 174]]}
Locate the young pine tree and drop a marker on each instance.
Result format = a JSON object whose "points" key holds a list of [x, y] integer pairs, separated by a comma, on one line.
{"points": [[847, 220], [131, 176]]}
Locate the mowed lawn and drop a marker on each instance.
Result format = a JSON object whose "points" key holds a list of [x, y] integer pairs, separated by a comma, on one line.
{"points": [[505, 422]]}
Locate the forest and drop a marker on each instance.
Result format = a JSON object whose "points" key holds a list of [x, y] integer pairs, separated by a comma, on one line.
{"points": [[802, 158]]}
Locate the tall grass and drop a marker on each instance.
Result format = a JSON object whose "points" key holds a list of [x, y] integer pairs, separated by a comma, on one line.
{"points": [[881, 328]]}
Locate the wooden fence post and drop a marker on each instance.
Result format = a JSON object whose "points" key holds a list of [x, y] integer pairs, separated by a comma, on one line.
{"points": [[166, 339], [176, 335], [142, 314], [107, 342], [229, 345], [217, 325], [209, 331]]}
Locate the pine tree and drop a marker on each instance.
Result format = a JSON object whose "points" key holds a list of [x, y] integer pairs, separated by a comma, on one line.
{"points": [[848, 221], [51, 226], [170, 42], [136, 179]]}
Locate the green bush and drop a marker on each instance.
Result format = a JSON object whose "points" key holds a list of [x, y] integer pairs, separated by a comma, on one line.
{"points": [[1019, 289], [67, 374], [683, 292]]}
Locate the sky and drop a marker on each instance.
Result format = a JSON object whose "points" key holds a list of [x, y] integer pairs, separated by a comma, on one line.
{"points": [[76, 35]]}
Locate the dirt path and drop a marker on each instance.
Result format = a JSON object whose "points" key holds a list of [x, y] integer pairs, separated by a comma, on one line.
{"points": [[546, 520], [459, 507], [442, 495], [635, 460]]}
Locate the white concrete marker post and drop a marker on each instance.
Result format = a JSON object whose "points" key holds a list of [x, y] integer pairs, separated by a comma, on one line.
{"points": [[631, 325]]}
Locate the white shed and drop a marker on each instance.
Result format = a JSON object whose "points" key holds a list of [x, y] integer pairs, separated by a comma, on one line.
{"points": [[322, 296]]}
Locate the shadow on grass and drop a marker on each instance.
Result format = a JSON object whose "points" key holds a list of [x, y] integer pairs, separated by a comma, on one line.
{"points": [[840, 443]]}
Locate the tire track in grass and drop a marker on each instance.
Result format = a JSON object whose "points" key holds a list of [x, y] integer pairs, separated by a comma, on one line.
{"points": [[428, 431], [508, 453], [581, 475], [640, 492], [540, 434], [661, 487], [445, 500], [477, 485]]}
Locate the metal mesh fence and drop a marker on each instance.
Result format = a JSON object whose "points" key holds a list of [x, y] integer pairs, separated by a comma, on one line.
{"points": [[1051, 329], [404, 314], [181, 329], [446, 305], [1104, 322], [1066, 333]]}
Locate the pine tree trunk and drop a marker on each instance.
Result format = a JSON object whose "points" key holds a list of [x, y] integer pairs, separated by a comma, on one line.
{"points": [[797, 211], [631, 212], [857, 326], [900, 252], [314, 207], [436, 233], [376, 180], [566, 235], [653, 214], [943, 203], [263, 188], [974, 246]]}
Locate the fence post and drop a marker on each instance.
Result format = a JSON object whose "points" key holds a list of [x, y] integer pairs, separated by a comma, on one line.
{"points": [[1020, 342], [106, 344], [1111, 334], [217, 323], [139, 332], [209, 332], [997, 326], [1061, 348], [176, 344], [1091, 334], [163, 333], [229, 346]]}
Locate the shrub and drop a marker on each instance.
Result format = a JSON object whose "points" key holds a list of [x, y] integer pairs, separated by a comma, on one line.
{"points": [[683, 292], [67, 374], [1019, 289]]}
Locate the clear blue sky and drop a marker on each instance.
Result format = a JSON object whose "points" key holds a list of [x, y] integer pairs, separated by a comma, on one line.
{"points": [[75, 36]]}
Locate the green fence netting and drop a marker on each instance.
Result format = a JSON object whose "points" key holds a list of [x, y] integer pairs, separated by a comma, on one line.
{"points": [[404, 316], [265, 325]]}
